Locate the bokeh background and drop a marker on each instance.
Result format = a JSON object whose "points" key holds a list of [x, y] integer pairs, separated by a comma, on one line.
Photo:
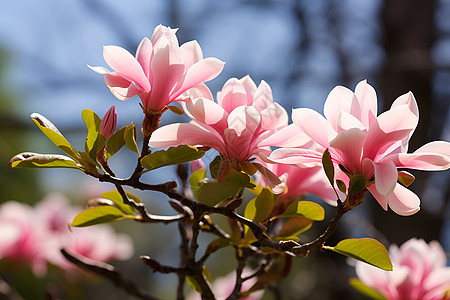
{"points": [[301, 48]]}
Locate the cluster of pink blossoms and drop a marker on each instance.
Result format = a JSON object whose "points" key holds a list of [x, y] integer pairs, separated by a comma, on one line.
{"points": [[33, 236], [245, 121], [419, 273]]}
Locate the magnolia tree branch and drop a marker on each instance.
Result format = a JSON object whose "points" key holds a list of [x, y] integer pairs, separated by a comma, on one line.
{"points": [[108, 271]]}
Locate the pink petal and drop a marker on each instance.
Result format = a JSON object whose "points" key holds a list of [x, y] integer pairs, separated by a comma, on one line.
{"points": [[262, 97], [250, 88], [100, 70], [167, 68], [314, 125], [409, 100], [340, 99], [386, 176], [296, 156], [244, 117], [289, 136], [348, 121], [348, 146], [274, 181], [207, 112], [233, 95], [381, 199], [114, 79], [274, 116], [184, 134], [144, 55], [403, 202], [192, 53], [125, 64], [199, 91], [203, 70], [433, 156], [120, 86], [367, 98], [390, 128]]}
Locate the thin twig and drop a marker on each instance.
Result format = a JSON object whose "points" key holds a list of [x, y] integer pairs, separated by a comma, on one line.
{"points": [[108, 271]]}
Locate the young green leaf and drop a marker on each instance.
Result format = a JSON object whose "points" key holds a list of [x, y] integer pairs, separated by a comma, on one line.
{"points": [[36, 160], [357, 183], [115, 197], [214, 166], [94, 140], [175, 109], [98, 215], [328, 166], [341, 186], [405, 178], [54, 135], [365, 290], [366, 250], [294, 227], [259, 208], [212, 193], [197, 180], [130, 138], [307, 209], [172, 156], [115, 142]]}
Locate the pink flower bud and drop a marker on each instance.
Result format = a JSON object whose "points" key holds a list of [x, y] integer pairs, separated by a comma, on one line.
{"points": [[109, 121]]}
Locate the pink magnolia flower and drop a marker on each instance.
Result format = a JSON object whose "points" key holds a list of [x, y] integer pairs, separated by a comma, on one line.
{"points": [[367, 144], [419, 273], [161, 71], [237, 126], [300, 181], [109, 122]]}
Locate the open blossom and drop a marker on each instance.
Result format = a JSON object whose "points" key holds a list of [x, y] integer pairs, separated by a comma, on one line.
{"points": [[364, 143], [238, 125], [420, 272], [161, 71]]}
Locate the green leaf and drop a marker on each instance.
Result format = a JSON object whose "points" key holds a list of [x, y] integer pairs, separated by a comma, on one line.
{"points": [[307, 209], [294, 227], [213, 193], [36, 160], [357, 183], [366, 250], [94, 140], [172, 156], [54, 135], [341, 186], [259, 208], [115, 142], [214, 166], [197, 180], [130, 138], [175, 109], [115, 197], [405, 178], [98, 215], [365, 290], [328, 166]]}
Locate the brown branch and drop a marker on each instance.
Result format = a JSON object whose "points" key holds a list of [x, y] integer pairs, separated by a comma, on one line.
{"points": [[109, 272]]}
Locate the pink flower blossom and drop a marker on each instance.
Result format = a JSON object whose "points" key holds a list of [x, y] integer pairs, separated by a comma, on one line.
{"points": [[367, 144], [238, 125], [420, 272], [161, 71], [109, 122]]}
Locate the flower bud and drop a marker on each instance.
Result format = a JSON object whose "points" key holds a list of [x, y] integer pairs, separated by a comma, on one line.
{"points": [[109, 121]]}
